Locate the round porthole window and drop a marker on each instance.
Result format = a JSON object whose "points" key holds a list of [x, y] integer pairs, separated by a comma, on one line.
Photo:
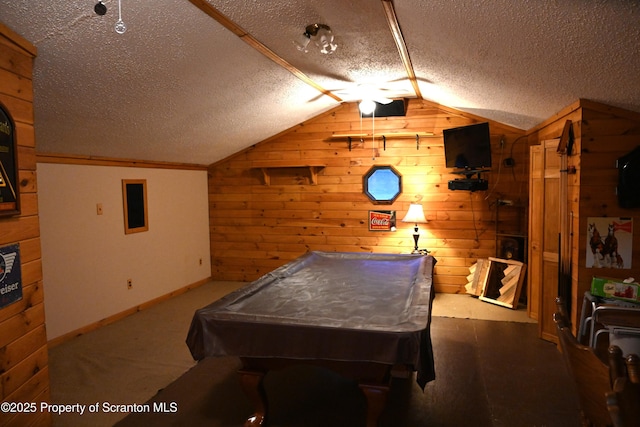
{"points": [[382, 184]]}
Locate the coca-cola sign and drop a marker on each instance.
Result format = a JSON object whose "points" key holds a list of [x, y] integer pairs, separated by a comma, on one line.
{"points": [[382, 220]]}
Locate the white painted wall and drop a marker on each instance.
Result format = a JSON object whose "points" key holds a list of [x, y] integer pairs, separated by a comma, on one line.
{"points": [[87, 258]]}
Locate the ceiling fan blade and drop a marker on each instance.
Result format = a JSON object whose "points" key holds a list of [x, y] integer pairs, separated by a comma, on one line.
{"points": [[383, 101], [338, 92]]}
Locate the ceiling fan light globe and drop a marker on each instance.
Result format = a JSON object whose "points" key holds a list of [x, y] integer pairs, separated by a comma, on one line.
{"points": [[367, 106]]}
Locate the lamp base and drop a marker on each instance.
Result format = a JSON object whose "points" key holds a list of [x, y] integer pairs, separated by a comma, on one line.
{"points": [[421, 251], [416, 237]]}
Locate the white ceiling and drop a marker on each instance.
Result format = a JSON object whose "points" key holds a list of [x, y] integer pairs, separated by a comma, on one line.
{"points": [[178, 86]]}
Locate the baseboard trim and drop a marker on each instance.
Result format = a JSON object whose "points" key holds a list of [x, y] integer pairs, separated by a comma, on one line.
{"points": [[118, 316]]}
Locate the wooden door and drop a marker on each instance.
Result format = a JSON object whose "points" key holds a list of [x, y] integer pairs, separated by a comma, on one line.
{"points": [[544, 229], [534, 251]]}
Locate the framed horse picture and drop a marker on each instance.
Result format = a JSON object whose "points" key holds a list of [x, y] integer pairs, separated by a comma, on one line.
{"points": [[609, 242]]}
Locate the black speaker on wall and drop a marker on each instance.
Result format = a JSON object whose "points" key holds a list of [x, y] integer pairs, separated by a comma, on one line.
{"points": [[511, 248], [629, 179]]}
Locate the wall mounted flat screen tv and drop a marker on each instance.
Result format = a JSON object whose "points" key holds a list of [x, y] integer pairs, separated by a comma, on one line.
{"points": [[629, 179], [468, 147]]}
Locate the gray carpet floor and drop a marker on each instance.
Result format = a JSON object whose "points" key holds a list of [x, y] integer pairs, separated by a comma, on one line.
{"points": [[491, 370], [127, 361]]}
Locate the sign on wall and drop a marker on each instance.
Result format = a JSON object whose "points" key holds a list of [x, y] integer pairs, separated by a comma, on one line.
{"points": [[382, 220], [609, 242], [9, 197], [10, 275]]}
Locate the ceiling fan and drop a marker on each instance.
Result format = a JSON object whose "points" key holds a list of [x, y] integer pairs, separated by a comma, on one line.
{"points": [[381, 91], [363, 93]]}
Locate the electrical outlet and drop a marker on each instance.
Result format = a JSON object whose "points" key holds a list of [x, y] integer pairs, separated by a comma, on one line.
{"points": [[129, 284], [200, 261]]}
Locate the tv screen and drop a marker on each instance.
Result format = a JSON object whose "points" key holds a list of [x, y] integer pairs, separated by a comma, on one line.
{"points": [[468, 147], [629, 179]]}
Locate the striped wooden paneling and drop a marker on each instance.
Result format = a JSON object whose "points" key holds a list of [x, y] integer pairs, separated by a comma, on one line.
{"points": [[602, 134], [256, 228], [24, 373]]}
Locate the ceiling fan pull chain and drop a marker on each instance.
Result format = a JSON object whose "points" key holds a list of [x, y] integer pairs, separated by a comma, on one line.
{"points": [[120, 26], [361, 134], [373, 135]]}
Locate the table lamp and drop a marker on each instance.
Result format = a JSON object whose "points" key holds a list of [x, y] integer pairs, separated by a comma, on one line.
{"points": [[415, 214]]}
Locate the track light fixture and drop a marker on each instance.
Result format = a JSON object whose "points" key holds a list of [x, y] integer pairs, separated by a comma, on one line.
{"points": [[101, 9], [322, 37]]}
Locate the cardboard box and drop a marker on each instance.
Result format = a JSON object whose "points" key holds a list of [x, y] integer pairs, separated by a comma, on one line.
{"points": [[616, 289]]}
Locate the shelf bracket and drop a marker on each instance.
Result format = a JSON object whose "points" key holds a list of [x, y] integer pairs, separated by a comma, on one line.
{"points": [[265, 176], [313, 172]]}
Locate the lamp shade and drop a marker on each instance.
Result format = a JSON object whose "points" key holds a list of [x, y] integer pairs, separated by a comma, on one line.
{"points": [[415, 214]]}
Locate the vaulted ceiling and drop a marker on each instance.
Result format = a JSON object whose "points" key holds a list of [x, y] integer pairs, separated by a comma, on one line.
{"points": [[195, 81]]}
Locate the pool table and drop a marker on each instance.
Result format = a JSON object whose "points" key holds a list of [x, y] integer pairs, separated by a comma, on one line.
{"points": [[365, 316]]}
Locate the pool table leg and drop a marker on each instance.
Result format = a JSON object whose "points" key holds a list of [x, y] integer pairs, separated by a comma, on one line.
{"points": [[251, 382], [376, 400]]}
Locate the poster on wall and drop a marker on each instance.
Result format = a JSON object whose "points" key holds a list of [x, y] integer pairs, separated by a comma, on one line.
{"points": [[10, 275], [609, 242], [382, 220]]}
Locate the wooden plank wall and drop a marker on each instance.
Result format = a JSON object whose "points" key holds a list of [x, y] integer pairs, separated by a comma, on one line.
{"points": [[543, 275], [256, 228], [603, 134], [24, 375], [607, 134]]}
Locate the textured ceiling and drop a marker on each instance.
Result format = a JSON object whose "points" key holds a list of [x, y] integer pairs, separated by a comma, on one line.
{"points": [[178, 86]]}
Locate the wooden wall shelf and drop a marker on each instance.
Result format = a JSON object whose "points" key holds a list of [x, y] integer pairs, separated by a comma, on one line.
{"points": [[266, 165], [350, 137], [399, 135]]}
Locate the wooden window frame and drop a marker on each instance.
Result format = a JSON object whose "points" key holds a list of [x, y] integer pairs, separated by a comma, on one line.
{"points": [[134, 221]]}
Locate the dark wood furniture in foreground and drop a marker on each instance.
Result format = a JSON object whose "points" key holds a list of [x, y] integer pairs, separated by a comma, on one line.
{"points": [[590, 374], [372, 378], [623, 402], [361, 315]]}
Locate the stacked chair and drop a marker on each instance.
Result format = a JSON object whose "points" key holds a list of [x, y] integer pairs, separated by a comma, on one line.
{"points": [[619, 320], [621, 326]]}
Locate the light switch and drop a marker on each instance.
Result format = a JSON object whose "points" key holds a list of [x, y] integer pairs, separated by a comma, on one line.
{"points": [[99, 208]]}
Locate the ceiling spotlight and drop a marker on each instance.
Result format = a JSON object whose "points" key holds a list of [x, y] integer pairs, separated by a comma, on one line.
{"points": [[100, 8], [322, 37], [302, 42]]}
